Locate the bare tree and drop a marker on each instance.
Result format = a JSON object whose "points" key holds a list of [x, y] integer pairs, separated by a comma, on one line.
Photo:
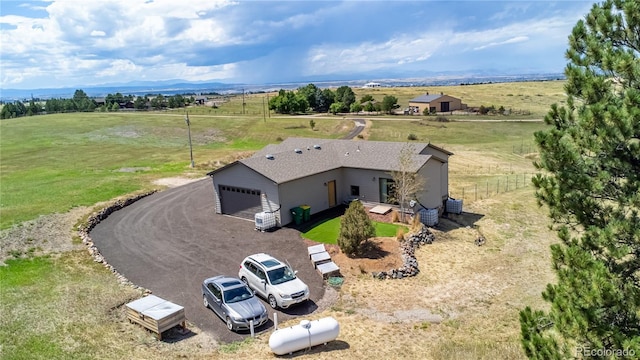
{"points": [[407, 181]]}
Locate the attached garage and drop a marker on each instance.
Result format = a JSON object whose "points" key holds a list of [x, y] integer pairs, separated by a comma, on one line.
{"points": [[240, 202]]}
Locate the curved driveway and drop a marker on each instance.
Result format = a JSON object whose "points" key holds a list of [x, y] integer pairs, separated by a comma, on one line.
{"points": [[170, 241]]}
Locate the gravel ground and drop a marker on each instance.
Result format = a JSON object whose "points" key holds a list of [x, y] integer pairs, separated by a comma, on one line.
{"points": [[44, 235]]}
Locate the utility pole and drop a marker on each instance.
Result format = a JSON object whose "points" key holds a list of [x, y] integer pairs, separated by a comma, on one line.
{"points": [[243, 102], [269, 110], [186, 119]]}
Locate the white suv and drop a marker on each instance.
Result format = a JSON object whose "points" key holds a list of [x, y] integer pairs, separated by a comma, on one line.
{"points": [[273, 280]]}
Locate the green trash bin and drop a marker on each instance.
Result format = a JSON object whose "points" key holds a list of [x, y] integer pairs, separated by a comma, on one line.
{"points": [[297, 214], [306, 212]]}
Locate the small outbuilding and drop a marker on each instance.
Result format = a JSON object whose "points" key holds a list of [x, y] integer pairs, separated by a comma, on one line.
{"points": [[435, 103], [323, 173]]}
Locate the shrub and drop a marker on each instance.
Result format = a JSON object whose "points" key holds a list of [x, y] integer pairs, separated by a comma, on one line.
{"points": [[441, 118], [355, 229], [394, 216], [412, 137]]}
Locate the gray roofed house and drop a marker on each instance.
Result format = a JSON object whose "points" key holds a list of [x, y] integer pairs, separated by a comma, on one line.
{"points": [[323, 173]]}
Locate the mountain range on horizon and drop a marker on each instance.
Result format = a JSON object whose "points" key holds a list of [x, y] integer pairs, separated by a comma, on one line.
{"points": [[177, 86]]}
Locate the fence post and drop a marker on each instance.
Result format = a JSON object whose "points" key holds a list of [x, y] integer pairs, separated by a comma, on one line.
{"points": [[498, 187], [476, 191], [462, 193]]}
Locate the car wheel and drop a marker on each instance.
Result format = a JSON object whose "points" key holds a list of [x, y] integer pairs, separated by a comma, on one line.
{"points": [[272, 302], [244, 280], [205, 302], [229, 324]]}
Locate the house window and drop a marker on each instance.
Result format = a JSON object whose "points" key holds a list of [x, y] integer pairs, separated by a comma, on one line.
{"points": [[355, 190], [387, 191]]}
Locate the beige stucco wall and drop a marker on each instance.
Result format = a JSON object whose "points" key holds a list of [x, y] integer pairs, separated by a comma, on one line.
{"points": [[454, 104]]}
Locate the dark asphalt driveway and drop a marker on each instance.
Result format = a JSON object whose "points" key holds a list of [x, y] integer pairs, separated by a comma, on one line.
{"points": [[172, 240]]}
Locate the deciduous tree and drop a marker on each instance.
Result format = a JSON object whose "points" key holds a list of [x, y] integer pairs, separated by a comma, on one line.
{"points": [[590, 181], [407, 182], [389, 103]]}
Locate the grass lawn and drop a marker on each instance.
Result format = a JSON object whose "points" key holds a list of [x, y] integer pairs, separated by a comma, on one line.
{"points": [[327, 231]]}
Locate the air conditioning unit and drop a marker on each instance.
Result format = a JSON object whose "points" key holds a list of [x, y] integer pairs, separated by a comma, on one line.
{"points": [[265, 221]]}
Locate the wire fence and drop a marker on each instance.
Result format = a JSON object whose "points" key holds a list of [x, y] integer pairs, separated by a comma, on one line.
{"points": [[489, 188]]}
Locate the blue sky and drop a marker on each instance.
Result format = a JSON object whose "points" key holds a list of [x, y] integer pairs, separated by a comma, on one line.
{"points": [[72, 43]]}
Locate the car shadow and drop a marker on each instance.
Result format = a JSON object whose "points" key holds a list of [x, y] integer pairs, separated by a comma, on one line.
{"points": [[304, 308]]}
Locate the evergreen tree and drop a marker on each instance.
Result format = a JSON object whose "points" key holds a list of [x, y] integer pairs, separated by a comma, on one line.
{"points": [[355, 229], [590, 162]]}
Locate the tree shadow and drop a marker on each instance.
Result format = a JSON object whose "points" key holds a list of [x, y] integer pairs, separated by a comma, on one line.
{"points": [[371, 250]]}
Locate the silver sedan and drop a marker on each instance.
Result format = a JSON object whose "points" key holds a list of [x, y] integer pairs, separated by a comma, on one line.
{"points": [[233, 302]]}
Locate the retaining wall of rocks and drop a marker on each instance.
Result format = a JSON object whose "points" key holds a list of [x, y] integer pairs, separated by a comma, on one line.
{"points": [[408, 250], [85, 228]]}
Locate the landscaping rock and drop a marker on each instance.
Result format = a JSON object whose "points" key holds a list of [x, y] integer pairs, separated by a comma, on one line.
{"points": [[407, 251]]}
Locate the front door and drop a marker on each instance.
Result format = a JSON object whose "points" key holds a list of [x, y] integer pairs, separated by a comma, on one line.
{"points": [[331, 187]]}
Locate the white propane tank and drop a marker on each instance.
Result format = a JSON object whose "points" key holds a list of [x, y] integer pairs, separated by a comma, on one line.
{"points": [[303, 336]]}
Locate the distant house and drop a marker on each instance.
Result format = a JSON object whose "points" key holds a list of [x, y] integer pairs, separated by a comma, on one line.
{"points": [[371, 85], [323, 173], [435, 103]]}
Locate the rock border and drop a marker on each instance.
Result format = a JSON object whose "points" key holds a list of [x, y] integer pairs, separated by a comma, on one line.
{"points": [[94, 219], [408, 250]]}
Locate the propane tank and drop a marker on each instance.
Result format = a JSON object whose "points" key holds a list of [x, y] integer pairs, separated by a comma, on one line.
{"points": [[303, 336]]}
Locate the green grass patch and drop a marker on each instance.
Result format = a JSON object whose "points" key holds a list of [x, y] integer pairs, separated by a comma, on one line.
{"points": [[52, 163], [63, 308], [327, 231]]}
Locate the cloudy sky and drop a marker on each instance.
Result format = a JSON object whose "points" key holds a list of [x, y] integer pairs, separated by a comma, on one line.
{"points": [[67, 43]]}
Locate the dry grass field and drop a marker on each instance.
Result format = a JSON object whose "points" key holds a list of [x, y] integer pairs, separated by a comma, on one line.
{"points": [[463, 304]]}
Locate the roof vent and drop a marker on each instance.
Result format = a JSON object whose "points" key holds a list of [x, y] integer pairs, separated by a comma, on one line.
{"points": [[298, 151], [270, 157], [317, 147]]}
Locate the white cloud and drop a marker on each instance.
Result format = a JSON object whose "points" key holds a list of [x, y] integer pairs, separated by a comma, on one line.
{"points": [[414, 48], [512, 40]]}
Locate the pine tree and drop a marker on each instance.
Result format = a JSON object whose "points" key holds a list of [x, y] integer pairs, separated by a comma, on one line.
{"points": [[355, 229], [590, 181]]}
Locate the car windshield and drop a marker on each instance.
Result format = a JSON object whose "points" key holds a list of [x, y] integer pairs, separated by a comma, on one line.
{"points": [[281, 275], [237, 294]]}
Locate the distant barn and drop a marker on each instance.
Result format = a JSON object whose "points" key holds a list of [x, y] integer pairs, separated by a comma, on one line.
{"points": [[435, 103]]}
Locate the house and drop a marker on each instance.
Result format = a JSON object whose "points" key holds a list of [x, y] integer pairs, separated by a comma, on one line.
{"points": [[323, 173], [435, 103], [371, 85]]}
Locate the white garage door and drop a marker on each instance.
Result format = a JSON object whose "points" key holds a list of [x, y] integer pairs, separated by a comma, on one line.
{"points": [[240, 202]]}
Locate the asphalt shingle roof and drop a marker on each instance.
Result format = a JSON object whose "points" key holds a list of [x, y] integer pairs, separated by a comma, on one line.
{"points": [[320, 155], [425, 98]]}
